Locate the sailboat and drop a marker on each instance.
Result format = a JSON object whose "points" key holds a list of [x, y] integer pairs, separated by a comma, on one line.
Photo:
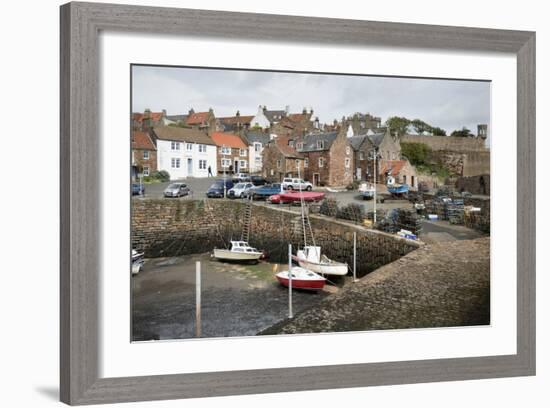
{"points": [[310, 257], [240, 251]]}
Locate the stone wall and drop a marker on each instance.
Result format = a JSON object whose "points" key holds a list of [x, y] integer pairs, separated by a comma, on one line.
{"points": [[448, 143], [180, 227], [477, 163], [474, 184]]}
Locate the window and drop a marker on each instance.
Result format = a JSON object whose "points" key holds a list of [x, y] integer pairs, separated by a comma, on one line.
{"points": [[226, 163], [202, 148], [189, 147], [175, 145], [388, 155], [145, 170], [393, 155], [242, 152], [257, 147], [297, 162], [306, 162], [291, 143], [258, 160], [321, 162], [225, 150], [320, 144], [404, 179], [347, 150], [146, 154], [299, 146], [361, 155], [279, 163], [175, 163], [347, 163], [202, 164], [243, 164]]}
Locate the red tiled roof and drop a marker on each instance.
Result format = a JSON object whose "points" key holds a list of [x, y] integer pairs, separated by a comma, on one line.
{"points": [[197, 118], [393, 166], [236, 119], [297, 117], [282, 144], [155, 116], [142, 141], [137, 117], [228, 139]]}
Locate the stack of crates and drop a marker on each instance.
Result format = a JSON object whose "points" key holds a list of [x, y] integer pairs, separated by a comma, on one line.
{"points": [[455, 211]]}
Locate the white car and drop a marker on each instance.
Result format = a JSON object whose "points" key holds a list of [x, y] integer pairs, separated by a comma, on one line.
{"points": [[241, 177], [240, 190], [296, 184]]}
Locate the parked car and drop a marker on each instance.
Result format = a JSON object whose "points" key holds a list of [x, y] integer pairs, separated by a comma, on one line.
{"points": [[296, 184], [176, 190], [258, 181], [240, 190], [216, 190], [264, 192], [241, 177], [138, 189]]}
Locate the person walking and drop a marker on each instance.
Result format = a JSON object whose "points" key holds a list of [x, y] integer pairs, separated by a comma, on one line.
{"points": [[210, 172]]}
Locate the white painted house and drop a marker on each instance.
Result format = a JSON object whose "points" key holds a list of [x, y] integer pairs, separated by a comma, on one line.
{"points": [[184, 152], [256, 141], [260, 120]]}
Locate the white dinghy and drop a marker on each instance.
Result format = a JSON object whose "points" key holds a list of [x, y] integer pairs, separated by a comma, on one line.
{"points": [[310, 258]]}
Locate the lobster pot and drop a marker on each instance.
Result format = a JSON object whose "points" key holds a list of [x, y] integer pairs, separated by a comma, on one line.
{"points": [[409, 220], [455, 212]]}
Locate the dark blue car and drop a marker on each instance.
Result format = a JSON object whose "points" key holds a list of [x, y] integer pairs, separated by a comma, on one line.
{"points": [[138, 189], [216, 190], [266, 191]]}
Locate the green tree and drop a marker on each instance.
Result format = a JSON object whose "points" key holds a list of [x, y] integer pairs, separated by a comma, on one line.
{"points": [[464, 132], [437, 131], [417, 153], [399, 125], [420, 126]]}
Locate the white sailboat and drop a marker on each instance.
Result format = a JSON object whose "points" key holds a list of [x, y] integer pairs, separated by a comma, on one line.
{"points": [[310, 256]]}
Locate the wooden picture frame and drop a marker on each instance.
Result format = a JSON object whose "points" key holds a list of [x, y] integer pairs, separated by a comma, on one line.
{"points": [[81, 24]]}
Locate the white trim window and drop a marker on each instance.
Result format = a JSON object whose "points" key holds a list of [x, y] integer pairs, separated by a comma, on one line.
{"points": [[299, 146], [258, 160], [361, 155], [279, 163], [243, 164], [175, 163], [175, 145], [257, 147], [242, 152], [202, 148], [226, 163], [347, 163], [225, 150], [146, 155], [202, 164], [347, 150], [321, 162], [145, 171], [320, 144], [306, 163]]}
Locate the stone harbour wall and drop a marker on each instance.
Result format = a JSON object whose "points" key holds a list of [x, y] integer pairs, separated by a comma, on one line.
{"points": [[180, 227]]}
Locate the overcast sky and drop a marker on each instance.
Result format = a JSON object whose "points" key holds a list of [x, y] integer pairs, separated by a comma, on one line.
{"points": [[444, 103]]}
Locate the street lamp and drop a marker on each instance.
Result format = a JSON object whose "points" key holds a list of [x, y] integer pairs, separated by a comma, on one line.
{"points": [[375, 155], [224, 172]]}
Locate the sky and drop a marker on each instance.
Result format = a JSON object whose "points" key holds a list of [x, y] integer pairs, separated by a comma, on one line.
{"points": [[448, 104]]}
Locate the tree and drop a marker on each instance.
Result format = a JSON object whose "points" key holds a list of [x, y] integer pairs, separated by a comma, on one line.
{"points": [[420, 126], [398, 125], [417, 153], [464, 132], [437, 131]]}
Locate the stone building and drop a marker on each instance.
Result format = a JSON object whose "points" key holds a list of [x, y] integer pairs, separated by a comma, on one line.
{"points": [[232, 153], [360, 123], [388, 148], [234, 124], [144, 153], [148, 120], [328, 158], [401, 170], [280, 159], [204, 121]]}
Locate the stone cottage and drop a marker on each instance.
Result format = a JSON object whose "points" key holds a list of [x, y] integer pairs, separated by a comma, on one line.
{"points": [[144, 153], [280, 159]]}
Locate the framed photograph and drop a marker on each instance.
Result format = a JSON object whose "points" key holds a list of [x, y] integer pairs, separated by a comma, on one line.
{"points": [[247, 200]]}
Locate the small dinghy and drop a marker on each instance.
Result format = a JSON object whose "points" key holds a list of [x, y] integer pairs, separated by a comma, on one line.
{"points": [[137, 261], [239, 251], [301, 279], [394, 188], [367, 190]]}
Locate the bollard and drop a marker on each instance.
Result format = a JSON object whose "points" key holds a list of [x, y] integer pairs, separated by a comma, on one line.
{"points": [[198, 299]]}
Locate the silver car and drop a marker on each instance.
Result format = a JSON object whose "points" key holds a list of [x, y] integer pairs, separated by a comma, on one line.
{"points": [[176, 190], [240, 190]]}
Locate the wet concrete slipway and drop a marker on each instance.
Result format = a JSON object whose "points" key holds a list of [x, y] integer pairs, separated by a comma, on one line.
{"points": [[237, 299]]}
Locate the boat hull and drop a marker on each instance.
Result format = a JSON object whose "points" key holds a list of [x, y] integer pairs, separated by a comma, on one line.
{"points": [[227, 255], [336, 268], [315, 283], [402, 189]]}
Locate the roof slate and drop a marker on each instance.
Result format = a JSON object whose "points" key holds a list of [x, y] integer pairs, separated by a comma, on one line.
{"points": [[179, 134], [258, 137], [310, 141]]}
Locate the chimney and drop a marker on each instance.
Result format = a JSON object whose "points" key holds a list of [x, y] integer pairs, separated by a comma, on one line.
{"points": [[304, 111], [164, 112], [191, 111], [287, 109], [238, 114], [264, 109], [146, 119]]}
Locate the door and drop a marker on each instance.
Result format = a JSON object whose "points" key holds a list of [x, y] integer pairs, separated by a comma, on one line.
{"points": [[316, 179], [236, 168], [189, 167], [358, 173]]}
